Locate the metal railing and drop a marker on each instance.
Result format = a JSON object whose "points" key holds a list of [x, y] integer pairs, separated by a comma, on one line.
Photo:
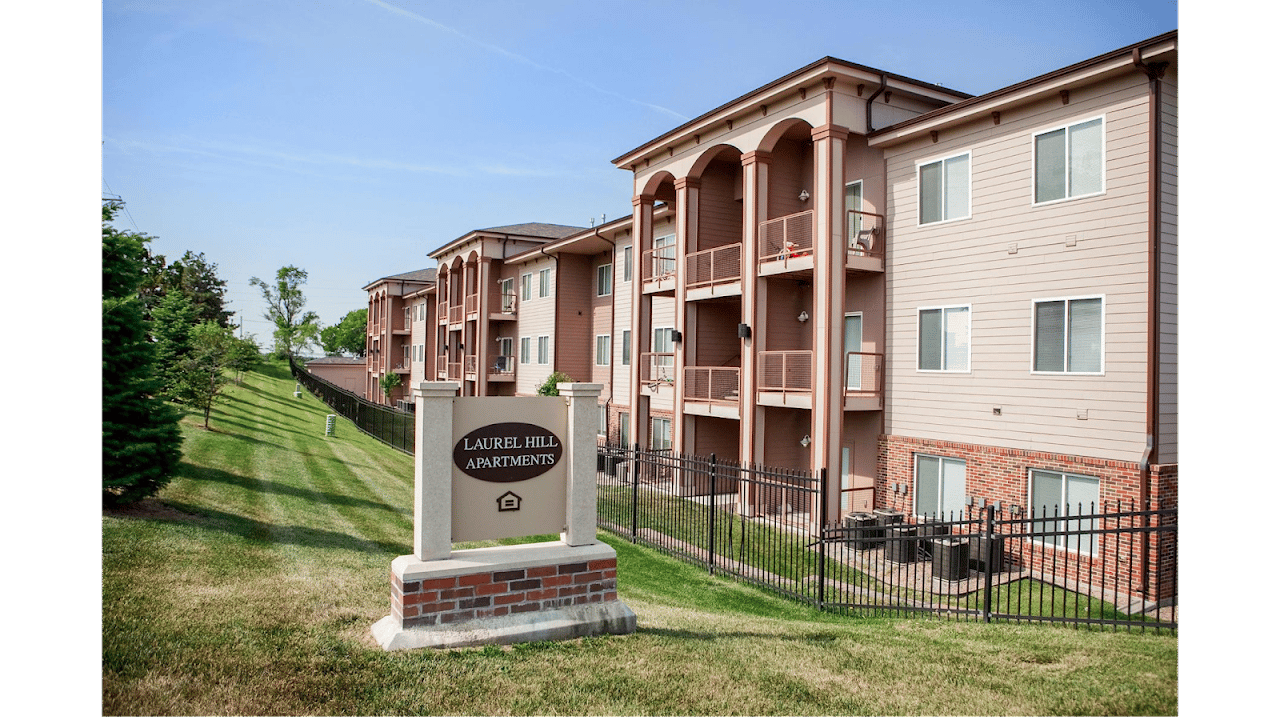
{"points": [[712, 384], [785, 371], [471, 363], [715, 266], [507, 303], [863, 374], [865, 239], [659, 263], [442, 310], [502, 364], [472, 304], [455, 314], [787, 237], [657, 367], [391, 426], [1082, 566]]}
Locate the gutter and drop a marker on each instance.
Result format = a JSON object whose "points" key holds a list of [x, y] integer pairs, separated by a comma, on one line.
{"points": [[1154, 73]]}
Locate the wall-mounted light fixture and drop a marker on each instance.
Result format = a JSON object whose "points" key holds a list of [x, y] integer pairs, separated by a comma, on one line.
{"points": [[676, 336], [744, 331], [805, 441], [804, 195], [804, 316]]}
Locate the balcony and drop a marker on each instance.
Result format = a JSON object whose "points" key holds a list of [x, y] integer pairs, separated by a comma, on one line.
{"points": [[455, 315], [712, 391], [785, 378], [442, 367], [866, 242], [786, 244], [863, 381], [714, 273], [658, 267], [656, 370], [505, 308], [502, 368], [472, 306], [471, 363], [442, 313], [453, 371]]}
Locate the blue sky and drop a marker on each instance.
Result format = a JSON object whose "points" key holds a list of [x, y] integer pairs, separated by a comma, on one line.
{"points": [[351, 137]]}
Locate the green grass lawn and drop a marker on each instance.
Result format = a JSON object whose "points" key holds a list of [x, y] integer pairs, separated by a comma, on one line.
{"points": [[249, 585]]}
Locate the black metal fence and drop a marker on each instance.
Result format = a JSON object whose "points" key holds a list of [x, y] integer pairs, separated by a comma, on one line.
{"points": [[1105, 566], [391, 426]]}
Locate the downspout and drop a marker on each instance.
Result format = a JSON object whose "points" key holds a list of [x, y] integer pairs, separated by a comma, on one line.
{"points": [[1154, 73], [884, 83]]}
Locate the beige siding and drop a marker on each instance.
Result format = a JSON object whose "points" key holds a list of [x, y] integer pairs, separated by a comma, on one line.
{"points": [[622, 311], [537, 316], [1168, 445], [1009, 253]]}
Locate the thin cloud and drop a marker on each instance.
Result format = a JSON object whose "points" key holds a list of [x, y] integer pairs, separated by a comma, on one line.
{"points": [[524, 60]]}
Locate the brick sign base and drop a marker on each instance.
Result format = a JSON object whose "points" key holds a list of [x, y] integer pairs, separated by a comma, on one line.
{"points": [[504, 595]]}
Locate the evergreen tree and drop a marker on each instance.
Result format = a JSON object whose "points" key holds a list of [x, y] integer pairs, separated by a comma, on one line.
{"points": [[172, 321], [141, 443], [197, 278]]}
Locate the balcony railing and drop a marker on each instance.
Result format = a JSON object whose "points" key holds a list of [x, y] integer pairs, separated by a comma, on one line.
{"points": [[473, 304], [785, 371], [471, 363], [866, 234], [507, 303], [502, 365], [712, 384], [657, 367], [787, 237], [659, 263], [863, 374], [443, 310], [455, 314], [717, 265], [442, 365], [454, 371]]}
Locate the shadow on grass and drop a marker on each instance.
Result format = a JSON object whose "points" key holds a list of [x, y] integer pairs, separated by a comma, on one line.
{"points": [[274, 534], [197, 472], [812, 637]]}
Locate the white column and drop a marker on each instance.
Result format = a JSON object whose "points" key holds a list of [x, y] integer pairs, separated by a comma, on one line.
{"points": [[582, 400], [433, 470]]}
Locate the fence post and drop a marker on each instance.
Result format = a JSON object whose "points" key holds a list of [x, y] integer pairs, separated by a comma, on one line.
{"points": [[822, 547], [988, 552], [635, 491], [711, 521]]}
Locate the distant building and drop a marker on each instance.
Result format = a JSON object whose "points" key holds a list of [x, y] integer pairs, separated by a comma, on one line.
{"points": [[389, 345], [347, 373]]}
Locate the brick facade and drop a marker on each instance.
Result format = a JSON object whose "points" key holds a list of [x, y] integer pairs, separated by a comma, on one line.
{"points": [[472, 596]]}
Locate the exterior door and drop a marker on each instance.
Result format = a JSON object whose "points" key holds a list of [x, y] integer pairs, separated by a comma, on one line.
{"points": [[853, 344]]}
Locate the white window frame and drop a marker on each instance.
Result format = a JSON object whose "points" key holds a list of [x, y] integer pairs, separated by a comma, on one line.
{"points": [[853, 224], [525, 347], [604, 280], [544, 282], [627, 263], [624, 429], [662, 267], [968, 359], [1102, 161], [654, 436], [1066, 329], [943, 514], [526, 286], [1069, 542], [602, 423], [920, 165], [626, 347], [604, 350], [506, 286], [544, 349]]}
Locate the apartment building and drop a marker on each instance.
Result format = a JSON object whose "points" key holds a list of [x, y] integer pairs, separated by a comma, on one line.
{"points": [[944, 300], [392, 345]]}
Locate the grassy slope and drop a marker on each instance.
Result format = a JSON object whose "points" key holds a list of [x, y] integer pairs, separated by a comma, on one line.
{"points": [[250, 587]]}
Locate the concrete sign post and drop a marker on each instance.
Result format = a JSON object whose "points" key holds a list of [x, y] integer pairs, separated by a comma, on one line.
{"points": [[493, 468]]}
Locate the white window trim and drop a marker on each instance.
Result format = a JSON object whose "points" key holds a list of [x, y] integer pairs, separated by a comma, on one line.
{"points": [[544, 273], [526, 286], [653, 433], [1102, 361], [602, 421], [601, 272], [1097, 508], [1068, 198], [968, 361], [526, 350], [628, 263], [608, 342], [915, 480], [968, 183], [626, 350], [541, 360]]}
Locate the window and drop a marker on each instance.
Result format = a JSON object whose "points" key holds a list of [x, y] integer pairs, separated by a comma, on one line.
{"points": [[661, 439], [664, 256], [507, 294], [944, 189], [502, 363], [626, 264], [853, 201], [1069, 161], [524, 350], [626, 347], [604, 280], [664, 358], [603, 349], [544, 343], [602, 426], [939, 486], [1058, 494], [943, 339], [526, 286], [1068, 335], [544, 282], [624, 429]]}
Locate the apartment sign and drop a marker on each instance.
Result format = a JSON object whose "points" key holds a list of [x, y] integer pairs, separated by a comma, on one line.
{"points": [[507, 452], [509, 467]]}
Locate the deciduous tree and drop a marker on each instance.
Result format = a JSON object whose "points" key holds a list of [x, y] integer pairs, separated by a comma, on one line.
{"points": [[200, 375], [349, 335], [295, 329]]}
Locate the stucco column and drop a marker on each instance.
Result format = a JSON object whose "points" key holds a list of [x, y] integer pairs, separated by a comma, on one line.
{"points": [[755, 208], [582, 400], [641, 314], [828, 305], [433, 470], [686, 242], [484, 266]]}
